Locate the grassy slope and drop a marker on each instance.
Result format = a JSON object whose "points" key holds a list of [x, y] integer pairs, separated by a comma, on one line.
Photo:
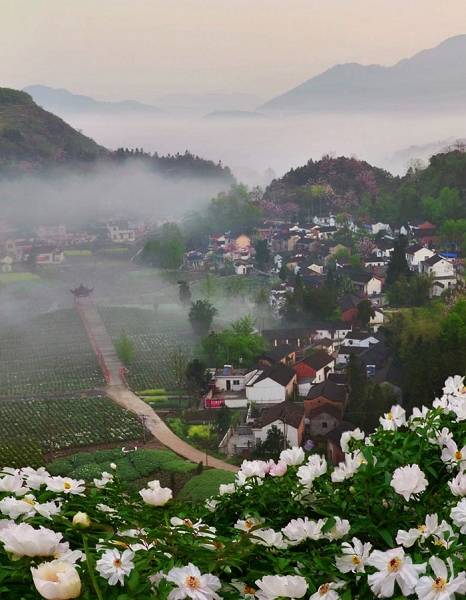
{"points": [[205, 485], [32, 136]]}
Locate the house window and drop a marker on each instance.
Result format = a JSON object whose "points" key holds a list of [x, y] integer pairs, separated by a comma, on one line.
{"points": [[235, 381]]}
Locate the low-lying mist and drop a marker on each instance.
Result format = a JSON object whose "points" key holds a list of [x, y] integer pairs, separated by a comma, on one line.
{"points": [[253, 144], [74, 198]]}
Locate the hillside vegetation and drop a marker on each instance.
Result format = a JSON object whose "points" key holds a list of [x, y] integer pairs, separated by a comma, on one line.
{"points": [[31, 137]]}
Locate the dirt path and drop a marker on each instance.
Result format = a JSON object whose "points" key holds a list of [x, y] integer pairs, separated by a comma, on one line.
{"points": [[122, 395], [126, 398]]}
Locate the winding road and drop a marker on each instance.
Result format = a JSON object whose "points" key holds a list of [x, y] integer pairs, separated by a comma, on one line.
{"points": [[119, 392]]}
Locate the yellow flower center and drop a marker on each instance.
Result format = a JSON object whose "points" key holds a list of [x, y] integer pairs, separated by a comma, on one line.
{"points": [[440, 542], [458, 455], [50, 575], [355, 559], [188, 522], [117, 563], [249, 524], [249, 590], [389, 416], [394, 565], [439, 584], [421, 528], [324, 588], [192, 582], [30, 501], [67, 486]]}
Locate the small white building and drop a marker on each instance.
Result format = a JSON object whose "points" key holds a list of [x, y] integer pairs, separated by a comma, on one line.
{"points": [[49, 256], [273, 385], [242, 268], [416, 254], [120, 231], [442, 272]]}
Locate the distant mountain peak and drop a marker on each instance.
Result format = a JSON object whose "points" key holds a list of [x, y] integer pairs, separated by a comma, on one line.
{"points": [[432, 78], [63, 102]]}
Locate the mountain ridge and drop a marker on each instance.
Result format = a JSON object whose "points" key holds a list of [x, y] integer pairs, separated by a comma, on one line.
{"points": [[428, 78], [61, 101]]}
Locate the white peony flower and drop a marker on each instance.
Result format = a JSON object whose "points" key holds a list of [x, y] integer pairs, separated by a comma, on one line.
{"points": [[409, 481], [393, 567], [191, 583], [315, 467], [395, 418], [457, 514], [339, 530], [156, 495], [24, 540], [211, 504], [57, 580], [458, 485], [348, 468], [453, 456], [28, 507], [198, 528], [105, 509], [281, 586], [115, 566], [347, 436], [458, 406], [104, 480], [269, 538], [35, 478], [328, 591], [454, 386], [442, 437], [65, 485], [354, 557], [443, 586], [430, 528], [293, 456], [245, 590], [299, 530], [226, 488], [253, 468], [278, 469], [13, 484], [248, 524]]}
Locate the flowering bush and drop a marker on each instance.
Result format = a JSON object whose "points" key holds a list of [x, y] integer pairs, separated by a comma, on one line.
{"points": [[388, 521]]}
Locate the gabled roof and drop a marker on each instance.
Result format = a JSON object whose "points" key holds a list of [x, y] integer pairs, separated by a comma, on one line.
{"points": [[279, 373], [415, 248], [318, 360], [331, 409], [434, 260], [327, 389], [278, 353], [290, 413]]}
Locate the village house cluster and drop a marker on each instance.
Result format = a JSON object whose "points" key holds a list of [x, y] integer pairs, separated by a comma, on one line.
{"points": [[49, 244], [300, 384]]}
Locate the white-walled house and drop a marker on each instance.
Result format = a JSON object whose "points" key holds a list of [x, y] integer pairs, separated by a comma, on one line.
{"points": [[377, 320], [273, 385], [120, 231], [288, 417], [442, 272], [378, 227], [359, 339], [416, 254]]}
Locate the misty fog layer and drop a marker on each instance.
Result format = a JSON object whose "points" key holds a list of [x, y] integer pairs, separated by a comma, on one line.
{"points": [[252, 145], [132, 190]]}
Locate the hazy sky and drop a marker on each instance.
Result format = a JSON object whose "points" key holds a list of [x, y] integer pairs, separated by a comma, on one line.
{"points": [[141, 49]]}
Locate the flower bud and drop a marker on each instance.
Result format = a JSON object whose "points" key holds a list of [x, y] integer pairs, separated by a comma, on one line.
{"points": [[113, 466], [81, 519]]}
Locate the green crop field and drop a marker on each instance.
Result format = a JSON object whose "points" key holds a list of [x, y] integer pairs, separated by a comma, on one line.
{"points": [[155, 338], [34, 427], [47, 354]]}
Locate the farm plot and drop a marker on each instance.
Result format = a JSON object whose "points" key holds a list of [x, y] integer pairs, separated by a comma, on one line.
{"points": [[34, 427], [155, 342], [48, 354]]}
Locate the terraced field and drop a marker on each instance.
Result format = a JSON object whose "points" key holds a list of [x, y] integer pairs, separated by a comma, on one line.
{"points": [[155, 340], [34, 427], [47, 354]]}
